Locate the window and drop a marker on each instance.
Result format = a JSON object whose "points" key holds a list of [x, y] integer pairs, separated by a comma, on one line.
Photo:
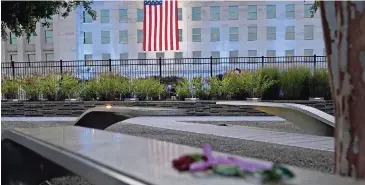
{"points": [[196, 35], [270, 11], [196, 56], [104, 16], [180, 35], [252, 33], [160, 55], [123, 15], [308, 32], [13, 57], [214, 34], [271, 33], [123, 36], [233, 56], [49, 57], [88, 38], [105, 56], [307, 11], [140, 15], [253, 54], [13, 39], [49, 36], [123, 57], [290, 11], [179, 14], [214, 13], [196, 13], [233, 12], [271, 53], [308, 52], [290, 33], [105, 37], [233, 34], [31, 57], [289, 55], [216, 55], [88, 57], [142, 56], [31, 39], [87, 18], [139, 36], [252, 12], [178, 57]]}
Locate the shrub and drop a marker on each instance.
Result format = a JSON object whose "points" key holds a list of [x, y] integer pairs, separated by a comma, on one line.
{"points": [[69, 86], [319, 84], [198, 85], [32, 87], [88, 90], [10, 87], [215, 89], [295, 83], [148, 88], [256, 83], [111, 86], [233, 86], [183, 89], [49, 87], [273, 92]]}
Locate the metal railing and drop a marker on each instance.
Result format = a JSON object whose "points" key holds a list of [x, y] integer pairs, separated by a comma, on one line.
{"points": [[139, 68]]}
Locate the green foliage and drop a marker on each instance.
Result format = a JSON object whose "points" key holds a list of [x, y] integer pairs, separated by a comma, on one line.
{"points": [[216, 89], [295, 83], [32, 87], [198, 84], [148, 88], [88, 90], [314, 7], [10, 87], [233, 86], [49, 86], [319, 84], [256, 83], [273, 92], [183, 89], [111, 86], [21, 17], [69, 86]]}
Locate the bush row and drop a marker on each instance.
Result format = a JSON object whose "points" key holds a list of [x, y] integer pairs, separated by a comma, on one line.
{"points": [[268, 83]]}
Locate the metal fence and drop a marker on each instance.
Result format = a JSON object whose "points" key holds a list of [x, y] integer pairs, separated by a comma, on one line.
{"points": [[139, 68]]}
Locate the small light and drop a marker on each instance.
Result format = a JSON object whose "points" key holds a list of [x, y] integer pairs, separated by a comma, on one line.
{"points": [[108, 106]]}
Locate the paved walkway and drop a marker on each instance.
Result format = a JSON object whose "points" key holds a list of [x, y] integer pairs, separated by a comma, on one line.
{"points": [[253, 134]]}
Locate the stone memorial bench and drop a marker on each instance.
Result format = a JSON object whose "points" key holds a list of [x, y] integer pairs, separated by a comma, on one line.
{"points": [[31, 156], [309, 119]]}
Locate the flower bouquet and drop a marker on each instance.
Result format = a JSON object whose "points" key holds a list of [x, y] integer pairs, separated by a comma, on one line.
{"points": [[231, 166]]}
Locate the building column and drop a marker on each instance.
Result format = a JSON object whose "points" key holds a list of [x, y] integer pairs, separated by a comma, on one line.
{"points": [[21, 49], [38, 41]]}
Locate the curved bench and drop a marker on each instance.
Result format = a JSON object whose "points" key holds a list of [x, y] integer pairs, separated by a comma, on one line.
{"points": [[309, 119], [103, 117]]}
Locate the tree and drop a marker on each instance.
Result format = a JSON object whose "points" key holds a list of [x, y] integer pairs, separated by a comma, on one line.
{"points": [[344, 34], [21, 17]]}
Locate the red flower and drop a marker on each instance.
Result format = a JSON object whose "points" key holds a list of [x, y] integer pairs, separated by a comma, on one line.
{"points": [[183, 162]]}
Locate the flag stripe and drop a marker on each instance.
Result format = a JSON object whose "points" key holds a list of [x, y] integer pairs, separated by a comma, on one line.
{"points": [[161, 25]]}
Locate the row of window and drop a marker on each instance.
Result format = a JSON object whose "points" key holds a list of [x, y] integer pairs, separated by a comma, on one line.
{"points": [[214, 34], [48, 38], [198, 54], [31, 57], [215, 13]]}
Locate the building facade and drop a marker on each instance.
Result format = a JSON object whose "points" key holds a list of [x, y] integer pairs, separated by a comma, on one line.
{"points": [[218, 29]]}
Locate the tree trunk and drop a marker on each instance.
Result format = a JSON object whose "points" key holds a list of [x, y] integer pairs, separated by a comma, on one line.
{"points": [[344, 34]]}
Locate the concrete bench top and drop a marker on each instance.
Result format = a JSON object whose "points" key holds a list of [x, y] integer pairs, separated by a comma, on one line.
{"points": [[110, 158], [310, 119]]}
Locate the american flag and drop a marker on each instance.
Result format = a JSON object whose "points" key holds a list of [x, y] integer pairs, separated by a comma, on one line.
{"points": [[160, 25]]}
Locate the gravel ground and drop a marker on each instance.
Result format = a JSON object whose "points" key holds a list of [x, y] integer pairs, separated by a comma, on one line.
{"points": [[282, 126], [306, 158]]}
